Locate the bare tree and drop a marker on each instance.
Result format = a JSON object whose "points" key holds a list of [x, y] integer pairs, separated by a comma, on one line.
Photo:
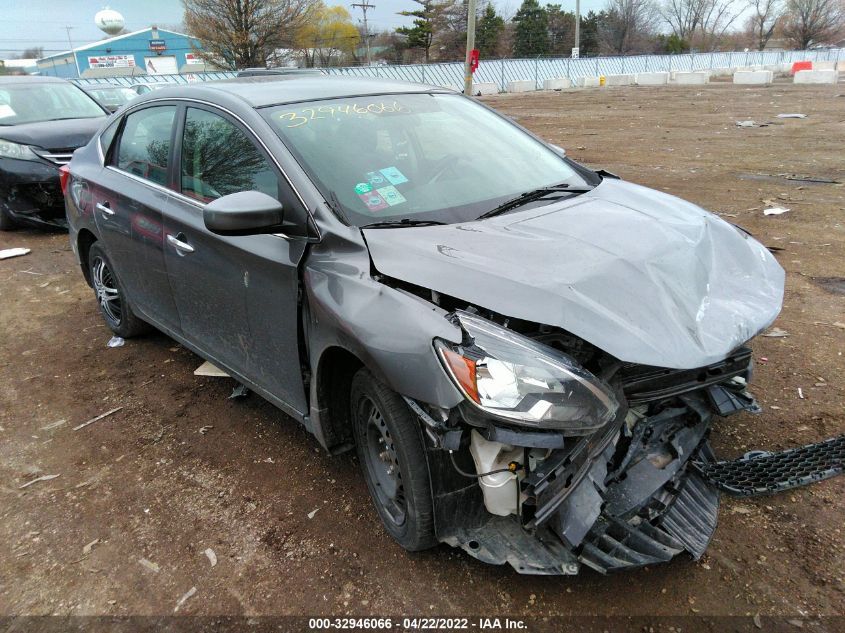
{"points": [[762, 22], [809, 22], [244, 33], [628, 25], [700, 22]]}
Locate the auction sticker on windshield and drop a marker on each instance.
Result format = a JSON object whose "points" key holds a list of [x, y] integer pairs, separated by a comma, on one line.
{"points": [[391, 195]]}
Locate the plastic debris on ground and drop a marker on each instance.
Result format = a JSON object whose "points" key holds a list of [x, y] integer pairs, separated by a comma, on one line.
{"points": [[115, 341], [792, 116], [776, 332], [210, 369], [775, 211], [212, 557], [184, 598], [153, 567], [746, 123], [241, 391], [13, 252], [36, 480]]}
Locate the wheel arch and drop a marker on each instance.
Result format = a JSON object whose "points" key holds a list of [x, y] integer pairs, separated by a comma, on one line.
{"points": [[84, 241]]}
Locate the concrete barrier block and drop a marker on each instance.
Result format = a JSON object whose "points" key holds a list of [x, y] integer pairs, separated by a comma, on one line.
{"points": [[484, 88], [651, 79], [816, 77], [753, 77], [558, 83], [697, 78], [521, 86], [618, 80], [588, 82], [824, 65]]}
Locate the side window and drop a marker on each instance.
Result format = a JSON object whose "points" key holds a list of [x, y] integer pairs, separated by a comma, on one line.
{"points": [[218, 159], [144, 146], [108, 136]]}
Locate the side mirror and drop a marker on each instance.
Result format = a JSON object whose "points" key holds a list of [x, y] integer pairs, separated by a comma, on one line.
{"points": [[557, 149], [244, 213]]}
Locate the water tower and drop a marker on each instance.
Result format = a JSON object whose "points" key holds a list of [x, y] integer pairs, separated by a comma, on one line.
{"points": [[109, 21]]}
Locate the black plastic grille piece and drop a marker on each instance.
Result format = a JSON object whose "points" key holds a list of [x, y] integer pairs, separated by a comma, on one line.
{"points": [[688, 524], [762, 473]]}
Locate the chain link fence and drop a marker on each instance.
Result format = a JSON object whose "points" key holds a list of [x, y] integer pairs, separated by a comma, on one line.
{"points": [[501, 71]]}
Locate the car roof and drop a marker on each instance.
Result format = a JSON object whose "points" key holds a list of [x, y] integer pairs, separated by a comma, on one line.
{"points": [[260, 92], [31, 79]]}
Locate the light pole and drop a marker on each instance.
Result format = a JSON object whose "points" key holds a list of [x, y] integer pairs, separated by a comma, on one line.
{"points": [[73, 52], [364, 6], [470, 47]]}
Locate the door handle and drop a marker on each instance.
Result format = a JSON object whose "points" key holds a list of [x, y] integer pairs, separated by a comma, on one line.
{"points": [[180, 246], [103, 207]]}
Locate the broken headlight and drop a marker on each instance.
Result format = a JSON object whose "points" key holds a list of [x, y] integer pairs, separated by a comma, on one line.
{"points": [[510, 377]]}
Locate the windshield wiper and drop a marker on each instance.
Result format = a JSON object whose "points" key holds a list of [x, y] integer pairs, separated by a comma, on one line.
{"points": [[531, 196], [404, 222]]}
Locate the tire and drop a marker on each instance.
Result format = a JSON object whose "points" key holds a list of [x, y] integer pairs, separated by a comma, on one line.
{"points": [[6, 221], [390, 449], [111, 298]]}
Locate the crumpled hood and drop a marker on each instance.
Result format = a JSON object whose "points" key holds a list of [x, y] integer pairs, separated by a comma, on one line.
{"points": [[640, 274], [70, 133]]}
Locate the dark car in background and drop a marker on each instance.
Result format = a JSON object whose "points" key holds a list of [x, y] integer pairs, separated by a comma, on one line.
{"points": [[526, 354], [43, 120], [110, 96]]}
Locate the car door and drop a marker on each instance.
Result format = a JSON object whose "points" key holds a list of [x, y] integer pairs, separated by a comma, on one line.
{"points": [[237, 296], [129, 197]]}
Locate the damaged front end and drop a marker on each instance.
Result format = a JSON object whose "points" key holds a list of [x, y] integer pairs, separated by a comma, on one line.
{"points": [[30, 190], [562, 456]]}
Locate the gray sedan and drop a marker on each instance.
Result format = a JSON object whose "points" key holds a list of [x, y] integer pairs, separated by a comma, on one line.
{"points": [[526, 354]]}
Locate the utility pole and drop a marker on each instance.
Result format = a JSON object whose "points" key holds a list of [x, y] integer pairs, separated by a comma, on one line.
{"points": [[364, 6], [73, 52], [470, 46], [578, 26]]}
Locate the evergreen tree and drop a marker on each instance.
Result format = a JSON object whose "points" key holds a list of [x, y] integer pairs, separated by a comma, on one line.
{"points": [[421, 34], [561, 30], [490, 28], [532, 30]]}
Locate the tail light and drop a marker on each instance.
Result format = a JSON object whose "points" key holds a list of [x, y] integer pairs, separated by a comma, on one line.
{"points": [[64, 178]]}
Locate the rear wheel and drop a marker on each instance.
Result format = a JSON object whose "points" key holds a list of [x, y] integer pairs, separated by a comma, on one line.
{"points": [[111, 298], [392, 457]]}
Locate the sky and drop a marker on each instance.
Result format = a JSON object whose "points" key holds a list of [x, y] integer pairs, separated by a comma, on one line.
{"points": [[29, 23]]}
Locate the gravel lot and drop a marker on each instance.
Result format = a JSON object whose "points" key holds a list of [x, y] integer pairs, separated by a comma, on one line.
{"points": [[180, 468]]}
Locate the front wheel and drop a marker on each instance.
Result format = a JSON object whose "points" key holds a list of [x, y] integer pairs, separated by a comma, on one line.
{"points": [[111, 297], [6, 221], [392, 457]]}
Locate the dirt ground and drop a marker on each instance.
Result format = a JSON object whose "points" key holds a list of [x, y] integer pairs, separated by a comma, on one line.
{"points": [[180, 468]]}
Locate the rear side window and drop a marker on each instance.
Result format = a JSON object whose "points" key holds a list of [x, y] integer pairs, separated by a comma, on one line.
{"points": [[108, 136], [144, 146], [218, 158]]}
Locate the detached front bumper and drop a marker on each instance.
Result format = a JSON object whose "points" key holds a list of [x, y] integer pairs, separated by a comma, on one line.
{"points": [[624, 497], [31, 194]]}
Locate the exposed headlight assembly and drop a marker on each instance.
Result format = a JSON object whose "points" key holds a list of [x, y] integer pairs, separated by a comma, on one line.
{"points": [[510, 377], [16, 150]]}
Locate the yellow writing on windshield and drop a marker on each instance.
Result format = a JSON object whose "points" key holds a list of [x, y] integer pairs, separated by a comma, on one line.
{"points": [[303, 116]]}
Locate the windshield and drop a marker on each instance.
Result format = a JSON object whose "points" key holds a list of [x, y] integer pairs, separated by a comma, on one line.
{"points": [[434, 157], [35, 102]]}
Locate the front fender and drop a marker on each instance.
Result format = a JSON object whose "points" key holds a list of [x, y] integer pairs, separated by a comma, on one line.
{"points": [[390, 331]]}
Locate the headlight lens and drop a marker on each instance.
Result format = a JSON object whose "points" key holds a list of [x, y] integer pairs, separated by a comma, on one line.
{"points": [[16, 150], [513, 378]]}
